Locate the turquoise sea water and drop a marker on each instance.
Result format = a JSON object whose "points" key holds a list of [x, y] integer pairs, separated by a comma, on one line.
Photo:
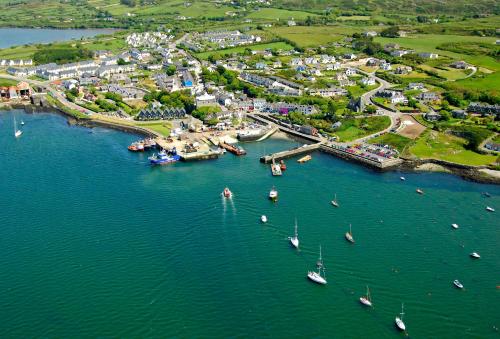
{"points": [[95, 243], [20, 36]]}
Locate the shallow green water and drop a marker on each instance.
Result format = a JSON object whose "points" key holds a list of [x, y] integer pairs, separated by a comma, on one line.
{"points": [[94, 242]]}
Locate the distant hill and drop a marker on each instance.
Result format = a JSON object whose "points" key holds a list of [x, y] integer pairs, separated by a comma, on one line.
{"points": [[415, 7]]}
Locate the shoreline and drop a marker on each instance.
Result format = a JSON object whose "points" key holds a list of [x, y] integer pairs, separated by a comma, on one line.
{"points": [[478, 174]]}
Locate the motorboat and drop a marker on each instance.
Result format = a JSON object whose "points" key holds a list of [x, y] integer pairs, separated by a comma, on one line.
{"points": [[455, 226], [304, 159], [273, 194], [366, 300], [282, 165], [263, 219], [402, 178], [399, 320], [458, 284], [475, 255], [136, 147], [419, 191], [348, 235], [295, 239], [17, 132], [490, 209], [227, 193]]}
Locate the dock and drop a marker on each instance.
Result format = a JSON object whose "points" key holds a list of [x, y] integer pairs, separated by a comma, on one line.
{"points": [[290, 153], [204, 152]]}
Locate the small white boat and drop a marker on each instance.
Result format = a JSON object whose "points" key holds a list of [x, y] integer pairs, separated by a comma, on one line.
{"points": [[366, 300], [295, 239], [490, 209], [17, 132], [458, 284], [273, 194], [348, 235], [399, 320], [263, 219], [402, 178], [316, 276], [455, 226], [475, 255], [22, 123], [334, 201], [419, 191]]}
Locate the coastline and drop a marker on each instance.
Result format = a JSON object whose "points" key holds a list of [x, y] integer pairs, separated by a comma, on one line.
{"points": [[479, 174]]}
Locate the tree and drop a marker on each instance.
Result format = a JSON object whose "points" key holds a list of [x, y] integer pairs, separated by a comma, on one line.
{"points": [[171, 70], [390, 32], [370, 109]]}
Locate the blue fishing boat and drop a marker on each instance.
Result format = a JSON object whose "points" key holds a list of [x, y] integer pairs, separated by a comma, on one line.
{"points": [[164, 158]]}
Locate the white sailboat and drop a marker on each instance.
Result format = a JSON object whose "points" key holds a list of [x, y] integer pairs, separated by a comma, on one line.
{"points": [[399, 320], [316, 276], [366, 300], [334, 201], [348, 235], [475, 255], [17, 132], [295, 239]]}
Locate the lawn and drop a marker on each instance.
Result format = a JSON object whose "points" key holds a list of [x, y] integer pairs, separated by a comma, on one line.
{"points": [[160, 127], [442, 146], [353, 129], [279, 14], [394, 140], [354, 18], [241, 49]]}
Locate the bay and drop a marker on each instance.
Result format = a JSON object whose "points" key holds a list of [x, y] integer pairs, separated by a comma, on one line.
{"points": [[95, 242], [20, 36]]}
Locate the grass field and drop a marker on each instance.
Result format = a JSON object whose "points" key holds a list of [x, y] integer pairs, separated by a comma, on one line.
{"points": [[279, 14], [7, 82], [437, 145], [352, 129], [241, 49], [101, 43], [354, 18], [394, 140], [315, 35], [429, 42], [449, 73]]}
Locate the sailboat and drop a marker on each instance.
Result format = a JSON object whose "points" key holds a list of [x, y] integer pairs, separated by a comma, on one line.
{"points": [[316, 276], [295, 239], [334, 201], [399, 320], [366, 300], [17, 132], [348, 235]]}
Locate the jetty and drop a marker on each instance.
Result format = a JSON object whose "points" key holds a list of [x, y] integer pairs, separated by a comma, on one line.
{"points": [[290, 153]]}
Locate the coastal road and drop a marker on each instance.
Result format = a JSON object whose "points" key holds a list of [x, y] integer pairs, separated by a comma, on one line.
{"points": [[51, 91]]}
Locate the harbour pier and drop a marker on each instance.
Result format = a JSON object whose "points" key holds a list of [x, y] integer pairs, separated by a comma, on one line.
{"points": [[266, 119], [267, 159]]}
